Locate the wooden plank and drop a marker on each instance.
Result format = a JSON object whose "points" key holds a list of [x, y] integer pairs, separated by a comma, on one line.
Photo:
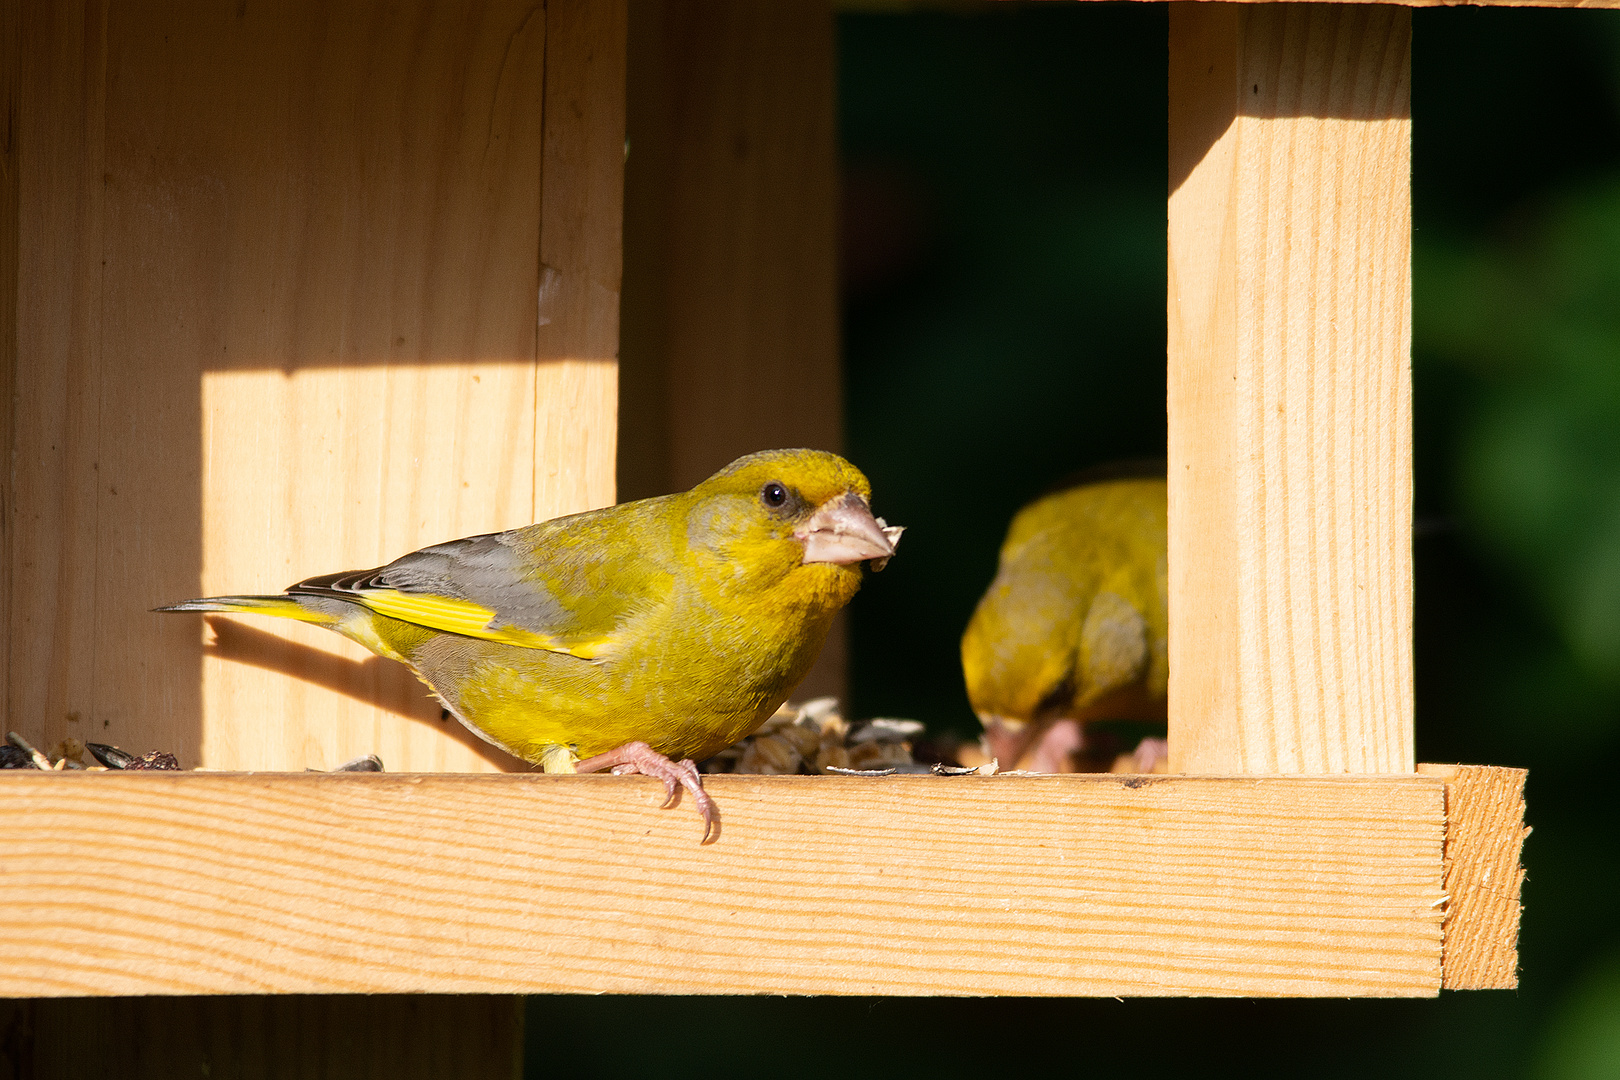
{"points": [[213, 883], [322, 296], [363, 290], [465, 1037], [1290, 389], [1485, 833], [581, 256], [731, 312]]}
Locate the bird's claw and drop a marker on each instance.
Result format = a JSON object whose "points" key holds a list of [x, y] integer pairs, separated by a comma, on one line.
{"points": [[638, 757], [1150, 753]]}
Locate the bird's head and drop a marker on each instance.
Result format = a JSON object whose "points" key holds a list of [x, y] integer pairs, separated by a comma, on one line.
{"points": [[801, 514]]}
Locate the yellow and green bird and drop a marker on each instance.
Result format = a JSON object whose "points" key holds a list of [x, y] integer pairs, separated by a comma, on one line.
{"points": [[623, 638], [1073, 627]]}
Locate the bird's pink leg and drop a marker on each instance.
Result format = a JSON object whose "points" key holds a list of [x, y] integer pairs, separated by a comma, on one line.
{"points": [[1048, 749], [1054, 751], [638, 757], [1149, 752]]}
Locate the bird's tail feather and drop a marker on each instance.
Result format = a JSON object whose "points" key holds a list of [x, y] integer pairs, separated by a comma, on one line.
{"points": [[283, 607]]}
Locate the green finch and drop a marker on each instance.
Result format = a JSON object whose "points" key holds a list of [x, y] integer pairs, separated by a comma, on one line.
{"points": [[1073, 627], [638, 638]]}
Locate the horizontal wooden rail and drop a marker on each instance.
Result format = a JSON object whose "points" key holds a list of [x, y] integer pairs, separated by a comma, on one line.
{"points": [[199, 883]]}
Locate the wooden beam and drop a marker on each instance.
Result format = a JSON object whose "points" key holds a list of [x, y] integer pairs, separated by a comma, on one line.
{"points": [[731, 282], [1485, 833], [1289, 389], [209, 883]]}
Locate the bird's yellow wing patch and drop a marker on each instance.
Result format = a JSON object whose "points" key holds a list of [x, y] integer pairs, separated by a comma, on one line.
{"points": [[469, 619]]}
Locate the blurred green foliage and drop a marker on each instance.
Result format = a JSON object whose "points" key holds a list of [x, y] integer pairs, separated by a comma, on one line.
{"points": [[1011, 328], [1533, 320], [1004, 251]]}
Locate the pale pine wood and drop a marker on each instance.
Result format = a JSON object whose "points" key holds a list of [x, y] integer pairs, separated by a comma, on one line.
{"points": [[1485, 833], [214, 883], [731, 316], [1290, 389], [465, 1037], [279, 315], [356, 466], [581, 256], [360, 297]]}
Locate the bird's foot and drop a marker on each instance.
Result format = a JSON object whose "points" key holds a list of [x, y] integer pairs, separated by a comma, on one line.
{"points": [[1151, 754], [1054, 751], [638, 757], [1032, 748]]}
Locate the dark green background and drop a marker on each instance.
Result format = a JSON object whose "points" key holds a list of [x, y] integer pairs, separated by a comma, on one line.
{"points": [[1004, 324]]}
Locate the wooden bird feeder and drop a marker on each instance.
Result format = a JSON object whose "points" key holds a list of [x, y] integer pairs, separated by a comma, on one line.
{"points": [[290, 288]]}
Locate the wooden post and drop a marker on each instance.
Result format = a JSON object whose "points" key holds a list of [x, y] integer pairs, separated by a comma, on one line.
{"points": [[1289, 389], [731, 277]]}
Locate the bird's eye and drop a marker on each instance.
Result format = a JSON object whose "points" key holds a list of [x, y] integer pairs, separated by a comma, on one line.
{"points": [[773, 494]]}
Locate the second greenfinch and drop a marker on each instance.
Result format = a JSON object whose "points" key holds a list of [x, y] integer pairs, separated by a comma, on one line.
{"points": [[639, 638], [1073, 627]]}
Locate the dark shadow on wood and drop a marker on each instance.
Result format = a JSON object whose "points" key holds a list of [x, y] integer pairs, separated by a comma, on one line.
{"points": [[375, 681], [1280, 60]]}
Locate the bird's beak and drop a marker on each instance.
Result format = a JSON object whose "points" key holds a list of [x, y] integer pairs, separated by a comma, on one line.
{"points": [[843, 530]]}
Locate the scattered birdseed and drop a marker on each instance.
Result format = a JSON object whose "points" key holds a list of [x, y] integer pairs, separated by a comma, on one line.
{"points": [[813, 738], [40, 761]]}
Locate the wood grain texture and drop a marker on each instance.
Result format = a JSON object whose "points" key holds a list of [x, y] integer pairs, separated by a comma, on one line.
{"points": [[901, 885], [279, 315], [731, 296], [360, 292], [1485, 833], [733, 146], [581, 256], [463, 1037], [55, 492], [10, 209], [1290, 389]]}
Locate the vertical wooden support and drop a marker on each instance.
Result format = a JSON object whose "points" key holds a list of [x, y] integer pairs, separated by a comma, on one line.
{"points": [[1289, 388], [731, 278], [303, 289]]}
